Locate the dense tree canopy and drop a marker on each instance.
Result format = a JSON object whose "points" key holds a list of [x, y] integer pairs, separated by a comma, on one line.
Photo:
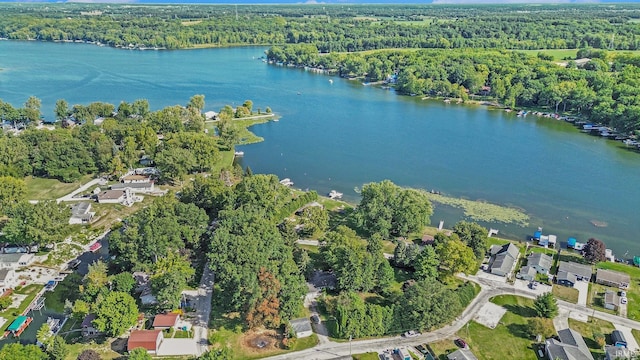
{"points": [[116, 313], [40, 224], [595, 251]]}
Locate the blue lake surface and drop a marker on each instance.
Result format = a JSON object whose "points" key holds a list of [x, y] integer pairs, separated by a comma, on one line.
{"points": [[342, 135]]}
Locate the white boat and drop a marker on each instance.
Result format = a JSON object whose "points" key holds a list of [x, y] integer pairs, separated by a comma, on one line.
{"points": [[330, 81], [239, 153], [286, 182], [335, 195]]}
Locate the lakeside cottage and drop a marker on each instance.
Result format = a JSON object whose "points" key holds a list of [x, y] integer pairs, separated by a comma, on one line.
{"points": [[8, 280], [537, 263], [16, 261], [613, 278], [570, 272], [503, 259], [81, 213]]}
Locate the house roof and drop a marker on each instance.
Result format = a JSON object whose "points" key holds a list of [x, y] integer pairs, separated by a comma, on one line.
{"points": [[142, 185], [88, 320], [301, 325], [165, 320], [81, 208], [616, 352], [618, 337], [584, 271], [527, 270], [462, 354], [111, 195], [135, 177], [4, 273], [611, 297], [539, 259], [13, 258], [146, 339], [612, 276], [566, 276], [570, 347], [509, 248], [503, 262]]}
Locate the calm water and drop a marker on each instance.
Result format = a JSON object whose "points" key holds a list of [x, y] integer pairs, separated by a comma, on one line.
{"points": [[342, 135]]}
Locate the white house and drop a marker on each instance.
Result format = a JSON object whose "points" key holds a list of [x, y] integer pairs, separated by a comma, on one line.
{"points": [[8, 280], [16, 261], [81, 213]]}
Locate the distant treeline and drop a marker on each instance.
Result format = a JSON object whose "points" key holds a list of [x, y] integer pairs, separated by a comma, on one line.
{"points": [[604, 89], [329, 27]]}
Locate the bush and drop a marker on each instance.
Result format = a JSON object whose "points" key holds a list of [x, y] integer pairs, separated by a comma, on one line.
{"points": [[466, 293]]}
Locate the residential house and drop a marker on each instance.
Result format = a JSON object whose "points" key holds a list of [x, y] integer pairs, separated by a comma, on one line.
{"points": [[301, 327], [16, 261], [149, 340], [611, 300], [570, 272], [144, 289], [536, 263], [81, 213], [503, 259], [617, 338], [135, 187], [617, 353], [462, 354], [122, 196], [165, 321], [570, 347], [135, 179], [87, 326], [8, 280], [613, 278]]}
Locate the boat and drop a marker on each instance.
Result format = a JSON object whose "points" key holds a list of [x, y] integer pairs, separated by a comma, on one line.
{"points": [[95, 247], [54, 324], [19, 325], [335, 195], [286, 182], [239, 153], [330, 81]]}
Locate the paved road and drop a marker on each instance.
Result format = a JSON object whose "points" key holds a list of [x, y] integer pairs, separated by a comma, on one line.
{"points": [[70, 196], [202, 305], [489, 289]]}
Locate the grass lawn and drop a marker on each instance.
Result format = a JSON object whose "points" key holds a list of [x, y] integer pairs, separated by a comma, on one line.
{"points": [[565, 293], [588, 331], [543, 250], [443, 347], [50, 189], [366, 356], [107, 214], [106, 347], [633, 293], [510, 333], [595, 298], [636, 335]]}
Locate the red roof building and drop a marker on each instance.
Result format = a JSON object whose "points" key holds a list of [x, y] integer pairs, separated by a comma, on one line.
{"points": [[147, 339], [165, 321]]}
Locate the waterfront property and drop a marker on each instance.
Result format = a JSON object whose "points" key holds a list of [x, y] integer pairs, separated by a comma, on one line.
{"points": [[135, 187], [570, 272], [503, 259], [8, 280], [613, 278], [537, 263], [570, 347], [16, 261]]}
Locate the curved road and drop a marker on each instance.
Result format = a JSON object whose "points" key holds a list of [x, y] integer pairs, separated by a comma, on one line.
{"points": [[489, 289]]}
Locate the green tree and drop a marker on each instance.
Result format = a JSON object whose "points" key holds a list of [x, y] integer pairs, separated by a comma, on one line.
{"points": [[123, 282], [41, 224], [170, 276], [474, 235], [80, 309], [61, 109], [456, 257], [12, 191], [426, 264], [17, 351], [424, 305], [116, 313], [44, 335], [228, 133], [223, 353], [249, 105], [139, 354], [5, 302], [96, 281], [196, 102], [315, 220], [540, 326], [546, 305], [32, 109], [58, 350], [174, 163]]}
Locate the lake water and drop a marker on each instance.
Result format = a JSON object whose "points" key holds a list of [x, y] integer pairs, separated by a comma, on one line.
{"points": [[341, 135]]}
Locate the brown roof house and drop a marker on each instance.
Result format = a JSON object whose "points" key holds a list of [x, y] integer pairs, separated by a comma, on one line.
{"points": [[611, 300], [149, 340], [613, 278], [165, 321]]}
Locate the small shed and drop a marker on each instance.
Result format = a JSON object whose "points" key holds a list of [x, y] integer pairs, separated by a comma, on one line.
{"points": [[611, 300], [617, 338], [302, 327]]}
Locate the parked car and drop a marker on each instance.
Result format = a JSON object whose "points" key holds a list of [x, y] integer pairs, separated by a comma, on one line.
{"points": [[315, 319], [411, 333], [423, 350], [460, 343], [623, 293], [623, 300]]}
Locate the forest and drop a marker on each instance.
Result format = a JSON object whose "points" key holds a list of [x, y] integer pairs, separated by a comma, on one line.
{"points": [[330, 28]]}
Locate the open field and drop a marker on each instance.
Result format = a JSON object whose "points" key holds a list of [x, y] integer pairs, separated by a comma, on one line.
{"points": [[510, 333], [366, 356], [590, 331], [51, 189], [565, 293]]}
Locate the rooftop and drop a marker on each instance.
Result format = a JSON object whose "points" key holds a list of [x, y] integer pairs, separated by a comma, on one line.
{"points": [[301, 325], [540, 259], [111, 195], [88, 320], [612, 276], [570, 347], [581, 270], [462, 354], [165, 320], [121, 187], [144, 339], [81, 208]]}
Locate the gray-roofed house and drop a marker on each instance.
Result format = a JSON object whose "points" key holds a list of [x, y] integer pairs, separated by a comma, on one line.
{"points": [[462, 354], [617, 353], [503, 258], [8, 280], [135, 187], [302, 327], [527, 273], [613, 278], [570, 347], [87, 326], [570, 272], [617, 338], [81, 213], [541, 262], [16, 261], [611, 300]]}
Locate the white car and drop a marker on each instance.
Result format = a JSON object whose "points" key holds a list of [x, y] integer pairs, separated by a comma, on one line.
{"points": [[623, 300], [623, 293], [411, 334]]}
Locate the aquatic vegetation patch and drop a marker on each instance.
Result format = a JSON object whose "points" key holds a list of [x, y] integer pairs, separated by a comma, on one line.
{"points": [[482, 211]]}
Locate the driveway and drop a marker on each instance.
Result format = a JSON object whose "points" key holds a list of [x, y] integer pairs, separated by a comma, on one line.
{"points": [[71, 196], [583, 291], [178, 347], [202, 305]]}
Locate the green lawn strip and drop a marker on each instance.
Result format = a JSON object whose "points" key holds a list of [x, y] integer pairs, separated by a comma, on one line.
{"points": [[565, 293], [636, 335], [589, 330], [366, 356], [510, 334], [633, 293], [50, 189], [443, 347]]}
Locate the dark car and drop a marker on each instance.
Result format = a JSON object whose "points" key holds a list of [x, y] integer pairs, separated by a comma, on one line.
{"points": [[460, 343], [422, 350], [315, 319]]}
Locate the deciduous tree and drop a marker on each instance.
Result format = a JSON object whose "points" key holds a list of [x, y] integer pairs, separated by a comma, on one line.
{"points": [[456, 257], [595, 251], [116, 313]]}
